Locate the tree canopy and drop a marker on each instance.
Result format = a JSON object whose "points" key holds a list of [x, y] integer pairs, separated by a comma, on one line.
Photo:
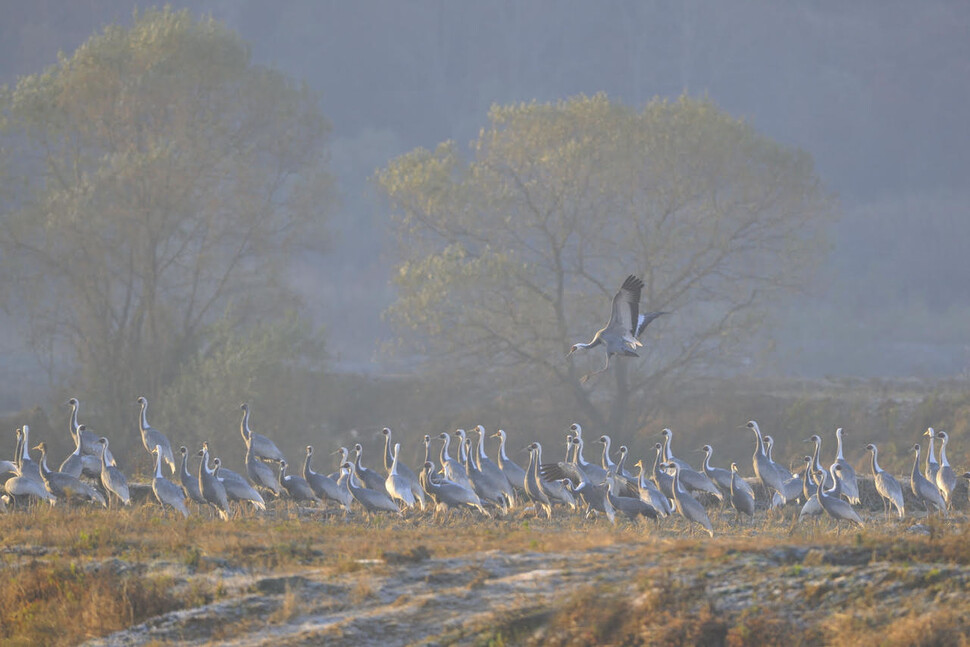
{"points": [[156, 182], [512, 253]]}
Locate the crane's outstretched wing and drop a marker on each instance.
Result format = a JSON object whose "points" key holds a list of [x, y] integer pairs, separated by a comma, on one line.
{"points": [[644, 320], [626, 308]]}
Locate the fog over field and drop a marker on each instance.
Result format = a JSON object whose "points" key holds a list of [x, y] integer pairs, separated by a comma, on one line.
{"points": [[354, 218], [872, 90]]}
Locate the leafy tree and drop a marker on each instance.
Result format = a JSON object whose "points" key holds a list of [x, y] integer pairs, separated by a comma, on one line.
{"points": [[510, 256], [158, 179]]}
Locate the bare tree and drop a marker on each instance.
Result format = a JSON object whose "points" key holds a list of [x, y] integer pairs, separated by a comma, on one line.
{"points": [[509, 257]]}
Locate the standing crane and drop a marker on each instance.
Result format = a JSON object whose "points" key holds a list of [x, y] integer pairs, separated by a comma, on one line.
{"points": [[151, 437], [887, 486], [924, 490], [168, 493], [263, 447], [850, 486], [946, 478]]}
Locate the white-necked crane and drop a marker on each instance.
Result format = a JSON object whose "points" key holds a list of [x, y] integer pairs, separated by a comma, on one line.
{"points": [[621, 333], [152, 438]]}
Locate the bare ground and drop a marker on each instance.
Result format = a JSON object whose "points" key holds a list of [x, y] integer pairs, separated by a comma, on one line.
{"points": [[510, 598]]}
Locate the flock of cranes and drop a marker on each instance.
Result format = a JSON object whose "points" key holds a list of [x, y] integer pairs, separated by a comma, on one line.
{"points": [[467, 479]]}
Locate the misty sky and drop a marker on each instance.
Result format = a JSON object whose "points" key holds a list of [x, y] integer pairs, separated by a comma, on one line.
{"points": [[875, 91]]}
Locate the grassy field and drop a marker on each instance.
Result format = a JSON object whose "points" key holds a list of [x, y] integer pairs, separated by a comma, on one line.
{"points": [[75, 574]]}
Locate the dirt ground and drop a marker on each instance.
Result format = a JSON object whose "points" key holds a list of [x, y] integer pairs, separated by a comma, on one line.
{"points": [[494, 597]]}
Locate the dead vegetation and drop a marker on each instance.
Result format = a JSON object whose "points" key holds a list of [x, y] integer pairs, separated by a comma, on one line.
{"points": [[76, 574]]}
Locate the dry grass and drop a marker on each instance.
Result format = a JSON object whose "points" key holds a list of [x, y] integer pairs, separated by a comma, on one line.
{"points": [[58, 603], [65, 588], [942, 627]]}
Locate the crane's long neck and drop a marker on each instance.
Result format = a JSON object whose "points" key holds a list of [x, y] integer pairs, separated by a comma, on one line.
{"points": [[759, 443], [397, 448], [501, 448], [158, 462], [819, 490], [462, 453], [352, 482], [656, 462], [26, 446], [184, 470], [74, 425], [607, 462], [104, 450], [818, 449], [707, 461], [875, 461], [677, 488], [916, 451], [593, 343], [571, 451], [203, 464], [621, 460], [427, 450], [307, 470], [143, 419], [467, 459], [388, 458], [18, 454], [665, 445], [244, 430], [931, 454], [836, 490], [807, 480], [250, 456], [579, 452], [481, 446], [427, 481], [943, 461], [46, 471], [838, 446], [444, 457]]}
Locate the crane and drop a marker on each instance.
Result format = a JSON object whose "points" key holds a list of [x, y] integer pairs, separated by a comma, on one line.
{"points": [[887, 486], [621, 333]]}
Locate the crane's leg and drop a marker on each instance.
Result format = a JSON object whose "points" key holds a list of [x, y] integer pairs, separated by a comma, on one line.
{"points": [[589, 375]]}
